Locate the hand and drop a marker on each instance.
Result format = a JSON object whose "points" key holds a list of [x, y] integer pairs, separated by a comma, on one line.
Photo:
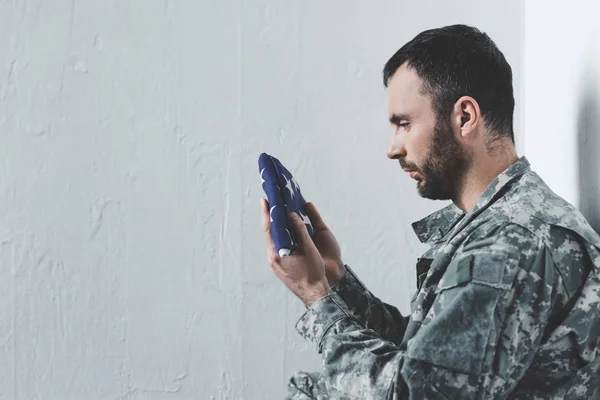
{"points": [[327, 245], [303, 271]]}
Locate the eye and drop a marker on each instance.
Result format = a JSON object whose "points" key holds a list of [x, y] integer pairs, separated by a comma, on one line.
{"points": [[398, 124]]}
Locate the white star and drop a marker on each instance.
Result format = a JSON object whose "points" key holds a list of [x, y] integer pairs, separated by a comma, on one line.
{"points": [[288, 185], [305, 219], [296, 183], [271, 212], [292, 240], [261, 177]]}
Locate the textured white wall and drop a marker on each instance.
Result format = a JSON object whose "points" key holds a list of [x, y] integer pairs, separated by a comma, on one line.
{"points": [[562, 99], [132, 262]]}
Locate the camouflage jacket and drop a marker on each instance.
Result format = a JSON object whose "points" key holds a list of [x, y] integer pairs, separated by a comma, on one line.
{"points": [[507, 306]]}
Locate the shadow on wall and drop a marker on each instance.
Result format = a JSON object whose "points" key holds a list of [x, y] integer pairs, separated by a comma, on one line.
{"points": [[588, 130]]}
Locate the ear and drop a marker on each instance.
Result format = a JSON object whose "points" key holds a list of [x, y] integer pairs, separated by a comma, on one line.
{"points": [[466, 116]]}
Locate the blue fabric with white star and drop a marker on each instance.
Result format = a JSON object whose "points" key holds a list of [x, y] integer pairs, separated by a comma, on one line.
{"points": [[284, 196]]}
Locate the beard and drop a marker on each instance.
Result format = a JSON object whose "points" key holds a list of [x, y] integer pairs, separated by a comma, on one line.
{"points": [[443, 170]]}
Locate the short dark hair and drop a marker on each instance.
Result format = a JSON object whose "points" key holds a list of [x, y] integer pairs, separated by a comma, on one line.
{"points": [[460, 60]]}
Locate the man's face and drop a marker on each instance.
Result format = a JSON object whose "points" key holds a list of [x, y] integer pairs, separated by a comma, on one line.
{"points": [[424, 144]]}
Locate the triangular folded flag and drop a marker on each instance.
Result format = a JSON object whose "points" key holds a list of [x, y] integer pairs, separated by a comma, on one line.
{"points": [[284, 196]]}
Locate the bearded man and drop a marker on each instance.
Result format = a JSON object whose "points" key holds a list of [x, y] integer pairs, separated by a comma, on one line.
{"points": [[508, 299]]}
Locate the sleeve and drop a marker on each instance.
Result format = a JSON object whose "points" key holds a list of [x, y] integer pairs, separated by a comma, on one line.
{"points": [[476, 341], [384, 319]]}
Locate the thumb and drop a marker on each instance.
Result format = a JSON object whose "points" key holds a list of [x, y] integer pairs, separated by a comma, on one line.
{"points": [[300, 229], [314, 216]]}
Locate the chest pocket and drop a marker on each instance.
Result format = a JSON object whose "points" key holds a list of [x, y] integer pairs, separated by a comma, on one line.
{"points": [[457, 274], [460, 328]]}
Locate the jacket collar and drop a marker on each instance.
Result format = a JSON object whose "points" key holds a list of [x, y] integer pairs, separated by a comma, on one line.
{"points": [[435, 226]]}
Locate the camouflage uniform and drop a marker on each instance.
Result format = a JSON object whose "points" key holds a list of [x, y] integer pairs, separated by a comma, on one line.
{"points": [[507, 306]]}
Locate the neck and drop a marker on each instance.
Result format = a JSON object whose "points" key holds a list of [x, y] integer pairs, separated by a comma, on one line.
{"points": [[483, 170]]}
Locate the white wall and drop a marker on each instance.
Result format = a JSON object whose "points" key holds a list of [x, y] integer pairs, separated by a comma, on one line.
{"points": [[132, 262], [562, 99]]}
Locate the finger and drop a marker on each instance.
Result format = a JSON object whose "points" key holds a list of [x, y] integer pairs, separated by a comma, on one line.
{"points": [[314, 216], [300, 229], [266, 227], [264, 215]]}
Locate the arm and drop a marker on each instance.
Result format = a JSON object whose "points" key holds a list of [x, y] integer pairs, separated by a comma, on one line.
{"points": [[476, 341], [384, 319]]}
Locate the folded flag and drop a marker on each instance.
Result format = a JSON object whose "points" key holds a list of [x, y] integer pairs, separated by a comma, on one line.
{"points": [[284, 196]]}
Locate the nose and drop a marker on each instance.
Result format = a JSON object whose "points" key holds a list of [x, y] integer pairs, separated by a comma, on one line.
{"points": [[396, 148]]}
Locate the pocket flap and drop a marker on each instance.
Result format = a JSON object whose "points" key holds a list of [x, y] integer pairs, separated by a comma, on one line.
{"points": [[457, 273]]}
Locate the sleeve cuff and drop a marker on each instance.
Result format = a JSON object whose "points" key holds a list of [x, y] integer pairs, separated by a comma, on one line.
{"points": [[349, 282], [320, 317], [354, 294]]}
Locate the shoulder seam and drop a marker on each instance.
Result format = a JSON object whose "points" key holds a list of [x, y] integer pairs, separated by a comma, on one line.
{"points": [[511, 219], [542, 241]]}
